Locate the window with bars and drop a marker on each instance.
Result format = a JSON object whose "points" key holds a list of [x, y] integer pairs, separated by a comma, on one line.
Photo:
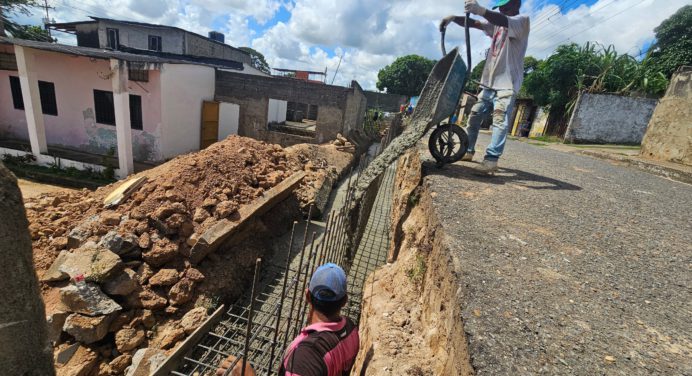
{"points": [[105, 109], [49, 103], [155, 43], [135, 74], [8, 61], [113, 38], [16, 89]]}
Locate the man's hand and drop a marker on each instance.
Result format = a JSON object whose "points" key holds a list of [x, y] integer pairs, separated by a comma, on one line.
{"points": [[445, 22], [473, 8]]}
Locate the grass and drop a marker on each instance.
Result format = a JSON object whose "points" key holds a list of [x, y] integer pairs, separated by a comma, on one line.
{"points": [[619, 147], [548, 139], [417, 272], [23, 166]]}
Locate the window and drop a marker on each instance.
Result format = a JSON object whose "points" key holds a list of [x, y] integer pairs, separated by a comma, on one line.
{"points": [[49, 104], [135, 112], [8, 62], [105, 109], [16, 89], [103, 105], [113, 38], [137, 74], [154, 43]]}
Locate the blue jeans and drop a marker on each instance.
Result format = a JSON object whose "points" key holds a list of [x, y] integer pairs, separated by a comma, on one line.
{"points": [[500, 102]]}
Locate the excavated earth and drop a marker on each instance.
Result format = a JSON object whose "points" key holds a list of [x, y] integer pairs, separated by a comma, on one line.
{"points": [[141, 295]]}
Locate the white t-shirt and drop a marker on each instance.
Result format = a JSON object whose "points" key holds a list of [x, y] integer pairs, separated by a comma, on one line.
{"points": [[504, 67]]}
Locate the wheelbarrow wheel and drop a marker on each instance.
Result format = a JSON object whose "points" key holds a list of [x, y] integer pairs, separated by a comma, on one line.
{"points": [[448, 143]]}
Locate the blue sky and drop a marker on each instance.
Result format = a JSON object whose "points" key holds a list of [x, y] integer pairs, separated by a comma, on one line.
{"points": [[369, 34]]}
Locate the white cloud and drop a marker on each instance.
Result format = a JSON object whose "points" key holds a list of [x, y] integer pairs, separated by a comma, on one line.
{"points": [[372, 33]]}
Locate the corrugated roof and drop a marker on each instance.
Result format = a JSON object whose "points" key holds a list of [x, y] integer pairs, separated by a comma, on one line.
{"points": [[130, 55]]}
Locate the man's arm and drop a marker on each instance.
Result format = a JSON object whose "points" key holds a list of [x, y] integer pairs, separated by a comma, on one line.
{"points": [[461, 21], [495, 18]]}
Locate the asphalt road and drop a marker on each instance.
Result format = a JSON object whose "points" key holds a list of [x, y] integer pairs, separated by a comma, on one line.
{"points": [[571, 265]]}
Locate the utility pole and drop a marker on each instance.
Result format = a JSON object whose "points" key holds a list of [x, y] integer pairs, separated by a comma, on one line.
{"points": [[46, 20]]}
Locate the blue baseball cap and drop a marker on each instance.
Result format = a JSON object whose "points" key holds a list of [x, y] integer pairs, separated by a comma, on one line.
{"points": [[328, 283]]}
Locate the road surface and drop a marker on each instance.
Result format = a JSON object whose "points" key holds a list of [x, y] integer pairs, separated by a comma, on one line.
{"points": [[571, 265]]}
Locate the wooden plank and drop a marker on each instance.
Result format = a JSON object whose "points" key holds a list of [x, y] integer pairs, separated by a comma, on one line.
{"points": [[173, 360], [218, 233], [124, 191]]}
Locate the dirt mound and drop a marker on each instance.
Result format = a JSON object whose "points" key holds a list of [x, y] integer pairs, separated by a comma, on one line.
{"points": [[133, 259]]}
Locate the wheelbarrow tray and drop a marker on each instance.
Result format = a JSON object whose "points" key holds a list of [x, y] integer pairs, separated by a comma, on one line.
{"points": [[438, 101]]}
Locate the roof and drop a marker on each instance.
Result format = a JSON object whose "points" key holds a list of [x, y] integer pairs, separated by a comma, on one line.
{"points": [[298, 70], [132, 55], [72, 27]]}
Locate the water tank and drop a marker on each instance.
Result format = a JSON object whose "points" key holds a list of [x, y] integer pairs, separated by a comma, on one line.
{"points": [[215, 35]]}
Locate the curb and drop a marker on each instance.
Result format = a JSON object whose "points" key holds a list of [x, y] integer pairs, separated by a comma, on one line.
{"points": [[656, 169]]}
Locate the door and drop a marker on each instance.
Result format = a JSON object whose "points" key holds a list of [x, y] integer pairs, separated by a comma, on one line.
{"points": [[229, 115], [210, 124]]}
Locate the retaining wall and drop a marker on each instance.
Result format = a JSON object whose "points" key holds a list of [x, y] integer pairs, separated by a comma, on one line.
{"points": [[609, 119]]}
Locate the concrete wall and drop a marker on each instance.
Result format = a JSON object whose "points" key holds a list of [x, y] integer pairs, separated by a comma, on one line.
{"points": [[385, 102], [252, 94], [183, 88], [229, 115], [75, 127], [172, 40], [354, 113], [669, 137], [197, 45], [609, 119]]}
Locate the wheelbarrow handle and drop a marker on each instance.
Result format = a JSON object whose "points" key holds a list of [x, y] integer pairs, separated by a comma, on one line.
{"points": [[467, 31]]}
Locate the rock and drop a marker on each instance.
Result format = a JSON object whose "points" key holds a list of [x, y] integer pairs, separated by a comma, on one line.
{"points": [[209, 202], [63, 355], [170, 310], [119, 364], [54, 273], [145, 362], [181, 292], [118, 244], [81, 363], [88, 300], [55, 323], [144, 240], [164, 277], [104, 369], [123, 284], [78, 235], [193, 319], [186, 229], [96, 264], [226, 209], [162, 252], [120, 320], [60, 242], [110, 218], [128, 339], [194, 275], [193, 239], [144, 272], [166, 210], [201, 214], [171, 337], [146, 298], [148, 319], [87, 329]]}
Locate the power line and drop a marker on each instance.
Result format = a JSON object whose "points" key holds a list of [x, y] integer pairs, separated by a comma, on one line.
{"points": [[571, 25]]}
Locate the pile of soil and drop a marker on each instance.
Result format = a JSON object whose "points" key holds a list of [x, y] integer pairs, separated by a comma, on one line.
{"points": [[141, 293]]}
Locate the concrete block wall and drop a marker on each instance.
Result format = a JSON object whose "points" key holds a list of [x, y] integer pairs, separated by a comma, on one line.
{"points": [[669, 137], [609, 119], [385, 102], [252, 93]]}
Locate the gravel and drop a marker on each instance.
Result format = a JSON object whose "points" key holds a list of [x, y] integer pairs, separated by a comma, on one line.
{"points": [[570, 265]]}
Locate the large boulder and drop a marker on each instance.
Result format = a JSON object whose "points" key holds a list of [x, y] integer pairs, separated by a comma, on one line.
{"points": [[96, 264], [56, 321], [171, 337], [193, 319], [119, 364], [78, 235], [88, 300], [147, 299], [129, 339], [161, 252], [86, 329], [123, 284], [82, 362]]}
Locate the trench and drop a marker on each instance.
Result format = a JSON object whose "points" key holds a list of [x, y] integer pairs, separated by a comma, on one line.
{"points": [[263, 321]]}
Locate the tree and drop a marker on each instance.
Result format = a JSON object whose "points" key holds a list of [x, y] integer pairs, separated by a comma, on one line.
{"points": [[12, 6], [405, 76], [258, 60], [476, 75], [32, 32], [673, 46]]}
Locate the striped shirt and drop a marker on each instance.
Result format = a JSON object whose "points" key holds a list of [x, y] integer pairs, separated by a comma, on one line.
{"points": [[504, 66], [322, 349]]}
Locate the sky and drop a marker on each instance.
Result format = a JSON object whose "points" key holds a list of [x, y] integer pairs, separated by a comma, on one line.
{"points": [[359, 37]]}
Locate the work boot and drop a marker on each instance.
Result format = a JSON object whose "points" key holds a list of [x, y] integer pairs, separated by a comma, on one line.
{"points": [[487, 167], [468, 157]]}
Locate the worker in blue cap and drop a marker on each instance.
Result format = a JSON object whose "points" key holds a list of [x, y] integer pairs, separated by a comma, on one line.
{"points": [[503, 73], [329, 344]]}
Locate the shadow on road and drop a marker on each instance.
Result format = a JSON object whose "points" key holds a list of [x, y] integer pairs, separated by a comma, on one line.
{"points": [[503, 176]]}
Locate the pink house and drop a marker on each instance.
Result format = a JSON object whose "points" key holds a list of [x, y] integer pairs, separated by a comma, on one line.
{"points": [[145, 108]]}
